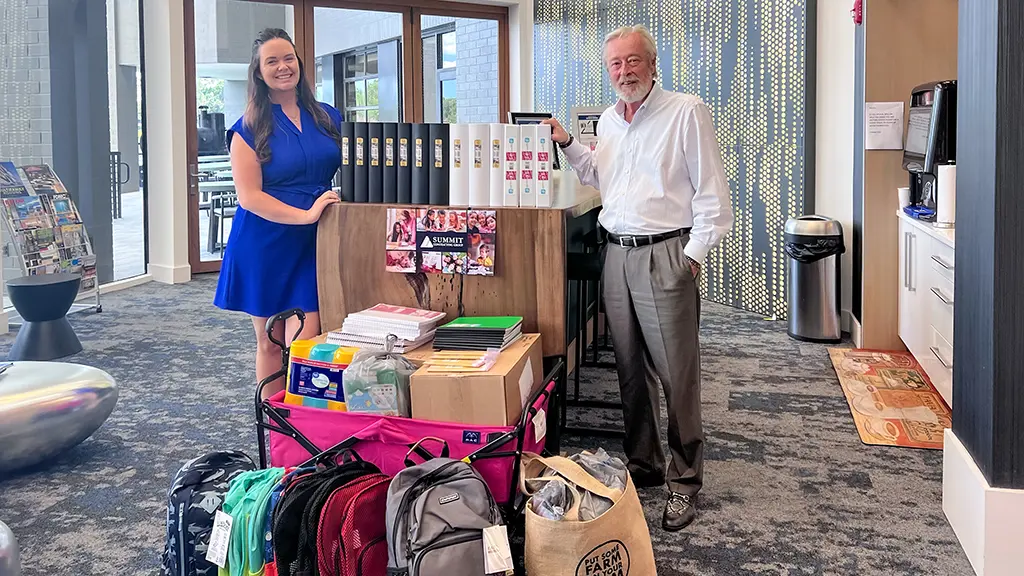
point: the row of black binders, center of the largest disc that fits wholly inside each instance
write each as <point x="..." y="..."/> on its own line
<point x="395" y="162"/>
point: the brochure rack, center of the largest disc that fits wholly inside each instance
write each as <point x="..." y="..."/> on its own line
<point x="44" y="230"/>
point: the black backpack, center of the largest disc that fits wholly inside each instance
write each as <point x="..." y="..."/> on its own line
<point x="297" y="515"/>
<point x="195" y="495"/>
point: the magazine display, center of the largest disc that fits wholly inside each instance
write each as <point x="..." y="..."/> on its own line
<point x="45" y="227"/>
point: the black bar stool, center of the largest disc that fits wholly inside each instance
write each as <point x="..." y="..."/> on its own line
<point x="584" y="268"/>
<point x="591" y="276"/>
<point x="43" y="302"/>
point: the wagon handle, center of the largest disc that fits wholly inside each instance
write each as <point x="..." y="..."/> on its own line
<point x="281" y="317"/>
<point x="445" y="453"/>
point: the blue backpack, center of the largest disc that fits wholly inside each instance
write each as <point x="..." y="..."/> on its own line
<point x="195" y="495"/>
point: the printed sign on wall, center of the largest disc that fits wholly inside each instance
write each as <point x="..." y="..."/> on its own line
<point x="441" y="241"/>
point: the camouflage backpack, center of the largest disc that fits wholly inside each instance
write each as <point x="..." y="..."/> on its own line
<point x="196" y="494"/>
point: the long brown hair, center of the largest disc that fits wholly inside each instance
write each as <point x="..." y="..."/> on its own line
<point x="259" y="116"/>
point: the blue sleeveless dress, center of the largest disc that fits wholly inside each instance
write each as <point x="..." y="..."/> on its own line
<point x="269" y="267"/>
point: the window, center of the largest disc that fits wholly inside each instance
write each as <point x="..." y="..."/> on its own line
<point x="460" y="70"/>
<point x="446" y="50"/>
<point x="362" y="98"/>
<point x="92" y="145"/>
<point x="360" y="53"/>
<point x="320" y="80"/>
<point x="449" y="107"/>
<point x="410" y="60"/>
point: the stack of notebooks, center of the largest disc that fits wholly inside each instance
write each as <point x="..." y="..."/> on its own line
<point x="479" y="333"/>
<point x="370" y="328"/>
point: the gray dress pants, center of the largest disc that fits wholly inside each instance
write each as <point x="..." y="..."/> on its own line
<point x="653" y="308"/>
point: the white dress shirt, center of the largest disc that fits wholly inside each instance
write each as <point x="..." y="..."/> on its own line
<point x="661" y="172"/>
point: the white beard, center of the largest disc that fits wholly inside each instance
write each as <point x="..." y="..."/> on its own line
<point x="634" y="94"/>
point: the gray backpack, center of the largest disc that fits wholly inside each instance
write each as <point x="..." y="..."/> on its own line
<point x="436" y="514"/>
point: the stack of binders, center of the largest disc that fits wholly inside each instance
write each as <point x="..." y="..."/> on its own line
<point x="462" y="165"/>
<point x="395" y="163"/>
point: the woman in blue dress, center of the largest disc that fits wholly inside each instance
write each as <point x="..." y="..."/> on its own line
<point x="285" y="151"/>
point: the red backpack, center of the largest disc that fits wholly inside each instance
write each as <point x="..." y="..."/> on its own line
<point x="352" y="537"/>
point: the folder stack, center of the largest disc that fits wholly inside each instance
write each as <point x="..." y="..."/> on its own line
<point x="479" y="333"/>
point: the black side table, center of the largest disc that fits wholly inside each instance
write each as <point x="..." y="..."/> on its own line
<point x="43" y="302"/>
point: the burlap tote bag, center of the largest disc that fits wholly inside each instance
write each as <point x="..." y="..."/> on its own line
<point x="616" y="543"/>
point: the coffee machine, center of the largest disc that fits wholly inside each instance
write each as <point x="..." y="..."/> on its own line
<point x="930" y="142"/>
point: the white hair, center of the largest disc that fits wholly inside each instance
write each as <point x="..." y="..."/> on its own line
<point x="645" y="35"/>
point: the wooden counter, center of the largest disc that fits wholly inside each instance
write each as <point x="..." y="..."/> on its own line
<point x="530" y="266"/>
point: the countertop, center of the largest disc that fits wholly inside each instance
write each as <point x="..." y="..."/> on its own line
<point x="572" y="196"/>
<point x="945" y="235"/>
<point x="568" y="195"/>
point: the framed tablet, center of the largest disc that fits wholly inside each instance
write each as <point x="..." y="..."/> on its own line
<point x="521" y="118"/>
<point x="584" y="124"/>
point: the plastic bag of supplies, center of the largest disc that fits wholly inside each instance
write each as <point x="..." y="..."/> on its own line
<point x="377" y="382"/>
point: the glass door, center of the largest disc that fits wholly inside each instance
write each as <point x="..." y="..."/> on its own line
<point x="217" y="65"/>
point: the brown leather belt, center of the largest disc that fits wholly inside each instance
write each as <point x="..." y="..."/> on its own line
<point x="637" y="240"/>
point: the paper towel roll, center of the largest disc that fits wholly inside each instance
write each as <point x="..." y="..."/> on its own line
<point x="945" y="204"/>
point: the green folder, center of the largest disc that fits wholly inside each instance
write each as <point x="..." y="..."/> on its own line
<point x="484" y="323"/>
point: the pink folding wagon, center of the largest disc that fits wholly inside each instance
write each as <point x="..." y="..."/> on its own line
<point x="303" y="435"/>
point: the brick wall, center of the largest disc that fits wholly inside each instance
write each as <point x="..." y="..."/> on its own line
<point x="25" y="134"/>
<point x="476" y="70"/>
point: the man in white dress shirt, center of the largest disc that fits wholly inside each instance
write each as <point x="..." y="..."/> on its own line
<point x="665" y="205"/>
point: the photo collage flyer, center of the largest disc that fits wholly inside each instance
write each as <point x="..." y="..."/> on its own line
<point x="45" y="226"/>
<point x="401" y="240"/>
<point x="437" y="240"/>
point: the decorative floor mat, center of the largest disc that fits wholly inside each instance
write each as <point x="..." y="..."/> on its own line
<point x="892" y="401"/>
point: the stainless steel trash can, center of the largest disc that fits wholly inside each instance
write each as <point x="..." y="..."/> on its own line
<point x="814" y="247"/>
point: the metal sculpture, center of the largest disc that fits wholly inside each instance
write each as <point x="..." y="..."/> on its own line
<point x="47" y="408"/>
<point x="10" y="563"/>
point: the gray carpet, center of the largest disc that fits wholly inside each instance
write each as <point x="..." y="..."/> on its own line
<point x="789" y="487"/>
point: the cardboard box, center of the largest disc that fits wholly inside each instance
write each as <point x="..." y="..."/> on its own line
<point x="492" y="398"/>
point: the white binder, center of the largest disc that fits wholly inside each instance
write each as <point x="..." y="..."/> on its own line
<point x="510" y="152"/>
<point x="527" y="165"/>
<point x="497" y="165"/>
<point x="542" y="182"/>
<point x="479" y="150"/>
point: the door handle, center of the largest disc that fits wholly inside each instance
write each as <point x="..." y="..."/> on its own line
<point x="906" y="260"/>
<point x="193" y="180"/>
<point x="940" y="296"/>
<point x="939" y="261"/>
<point x="910" y="263"/>
<point x="935" y="351"/>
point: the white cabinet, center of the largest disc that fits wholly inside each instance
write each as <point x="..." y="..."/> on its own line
<point x="926" y="300"/>
<point x="913" y="326"/>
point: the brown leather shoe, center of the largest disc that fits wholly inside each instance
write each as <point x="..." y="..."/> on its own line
<point x="680" y="511"/>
